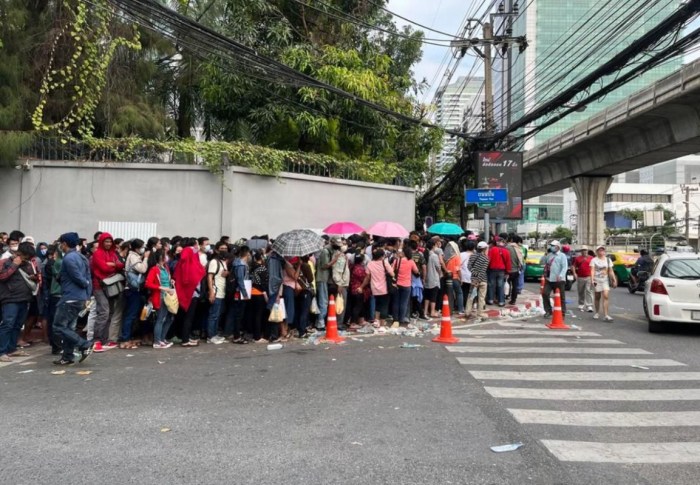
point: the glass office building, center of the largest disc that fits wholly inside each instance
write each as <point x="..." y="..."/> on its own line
<point x="563" y="49"/>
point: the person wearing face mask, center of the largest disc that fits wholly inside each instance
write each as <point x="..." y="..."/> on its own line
<point x="12" y="244"/>
<point x="204" y="250"/>
<point x="105" y="263"/>
<point x="136" y="267"/>
<point x="555" y="268"/>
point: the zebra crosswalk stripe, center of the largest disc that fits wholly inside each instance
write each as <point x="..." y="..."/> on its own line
<point x="607" y="419"/>
<point x="539" y="340"/>
<point x="595" y="394"/>
<point x="584" y="376"/>
<point x="592" y="452"/>
<point x="549" y="333"/>
<point x="544" y="350"/>
<point x="554" y="362"/>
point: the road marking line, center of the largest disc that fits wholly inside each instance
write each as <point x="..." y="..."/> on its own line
<point x="545" y="350"/>
<point x="566" y="361"/>
<point x="539" y="340"/>
<point x="624" y="452"/>
<point x="595" y="394"/>
<point x="551" y="333"/>
<point x="607" y="419"/>
<point x="584" y="376"/>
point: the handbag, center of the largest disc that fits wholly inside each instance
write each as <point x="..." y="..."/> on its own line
<point x="33" y="285"/>
<point x="278" y="313"/>
<point x="315" y="310"/>
<point x="171" y="302"/>
<point x="339" y="304"/>
<point x="113" y="286"/>
<point x="146" y="311"/>
<point x="135" y="280"/>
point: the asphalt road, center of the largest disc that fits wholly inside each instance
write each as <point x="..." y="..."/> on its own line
<point x="367" y="412"/>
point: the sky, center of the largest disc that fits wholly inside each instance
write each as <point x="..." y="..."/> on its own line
<point x="443" y="15"/>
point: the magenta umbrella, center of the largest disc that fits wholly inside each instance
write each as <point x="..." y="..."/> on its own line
<point x="388" y="229"/>
<point x="342" y="228"/>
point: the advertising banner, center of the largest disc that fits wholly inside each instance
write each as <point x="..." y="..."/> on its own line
<point x="502" y="170"/>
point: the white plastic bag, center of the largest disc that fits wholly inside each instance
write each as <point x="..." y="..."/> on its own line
<point x="278" y="313"/>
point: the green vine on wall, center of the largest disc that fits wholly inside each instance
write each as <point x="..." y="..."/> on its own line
<point x="84" y="76"/>
<point x="216" y="155"/>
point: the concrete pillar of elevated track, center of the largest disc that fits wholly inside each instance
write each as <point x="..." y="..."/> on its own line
<point x="590" y="194"/>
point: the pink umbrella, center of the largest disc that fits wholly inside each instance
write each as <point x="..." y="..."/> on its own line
<point x="388" y="229"/>
<point x="342" y="228"/>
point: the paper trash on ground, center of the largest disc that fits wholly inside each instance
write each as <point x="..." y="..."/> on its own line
<point x="504" y="448"/>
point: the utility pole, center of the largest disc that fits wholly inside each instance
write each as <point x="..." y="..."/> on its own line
<point x="488" y="78"/>
<point x="687" y="189"/>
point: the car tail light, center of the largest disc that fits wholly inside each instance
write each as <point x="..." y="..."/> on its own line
<point x="657" y="310"/>
<point x="657" y="286"/>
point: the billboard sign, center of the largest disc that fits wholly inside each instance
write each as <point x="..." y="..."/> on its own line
<point x="502" y="170"/>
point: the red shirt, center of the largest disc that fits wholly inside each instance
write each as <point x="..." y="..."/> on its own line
<point x="499" y="259"/>
<point x="582" y="266"/>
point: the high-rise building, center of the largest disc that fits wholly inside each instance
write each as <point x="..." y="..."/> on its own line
<point x="562" y="48"/>
<point x="457" y="107"/>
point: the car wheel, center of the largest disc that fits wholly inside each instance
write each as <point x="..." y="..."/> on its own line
<point x="655" y="327"/>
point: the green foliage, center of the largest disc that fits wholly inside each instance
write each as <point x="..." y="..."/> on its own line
<point x="11" y="146"/>
<point x="78" y="69"/>
<point x="563" y="233"/>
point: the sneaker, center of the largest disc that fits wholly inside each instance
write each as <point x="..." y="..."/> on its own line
<point x="63" y="362"/>
<point x="580" y="308"/>
<point x="98" y="347"/>
<point x="423" y="318"/>
<point x="110" y="346"/>
<point x="216" y="340"/>
<point x="589" y="309"/>
<point x="596" y="316"/>
<point x="190" y="343"/>
<point x="160" y="346"/>
<point x="85" y="353"/>
<point x="5" y="358"/>
<point x="167" y="344"/>
<point x="608" y="318"/>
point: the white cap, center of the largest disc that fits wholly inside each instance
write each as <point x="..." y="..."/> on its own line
<point x="482" y="245"/>
<point x="555" y="243"/>
<point x="600" y="246"/>
<point x="28" y="239"/>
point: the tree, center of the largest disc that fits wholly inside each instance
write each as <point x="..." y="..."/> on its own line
<point x="563" y="234"/>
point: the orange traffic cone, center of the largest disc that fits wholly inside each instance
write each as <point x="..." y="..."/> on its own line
<point x="446" y="325"/>
<point x="332" y="324"/>
<point x="557" y="315"/>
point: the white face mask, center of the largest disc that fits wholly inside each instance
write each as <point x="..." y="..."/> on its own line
<point x="207" y="248"/>
<point x="142" y="250"/>
<point x="14" y="247"/>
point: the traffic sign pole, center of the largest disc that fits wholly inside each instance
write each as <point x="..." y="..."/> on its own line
<point x="486" y="225"/>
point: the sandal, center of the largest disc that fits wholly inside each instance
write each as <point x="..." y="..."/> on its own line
<point x="190" y="343"/>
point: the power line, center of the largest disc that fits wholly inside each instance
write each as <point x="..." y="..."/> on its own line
<point x="186" y="27"/>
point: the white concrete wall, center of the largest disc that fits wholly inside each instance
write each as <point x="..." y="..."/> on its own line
<point x="55" y="197"/>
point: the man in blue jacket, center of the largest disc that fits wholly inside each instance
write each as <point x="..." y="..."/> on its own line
<point x="76" y="284"/>
<point x="555" y="269"/>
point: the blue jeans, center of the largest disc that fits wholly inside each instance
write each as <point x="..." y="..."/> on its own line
<point x="458" y="296"/>
<point x="13" y="316"/>
<point x="288" y="295"/>
<point x="234" y="319"/>
<point x="163" y="321"/>
<point x="64" y="327"/>
<point x="133" y="304"/>
<point x="372" y="308"/>
<point x="497" y="280"/>
<point x="214" y="315"/>
<point x="322" y="300"/>
<point x="400" y="302"/>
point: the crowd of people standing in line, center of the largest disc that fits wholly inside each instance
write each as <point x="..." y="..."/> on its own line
<point x="109" y="293"/>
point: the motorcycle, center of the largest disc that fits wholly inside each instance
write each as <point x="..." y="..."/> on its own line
<point x="642" y="277"/>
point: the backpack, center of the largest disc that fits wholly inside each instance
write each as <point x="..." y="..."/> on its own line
<point x="231" y="281"/>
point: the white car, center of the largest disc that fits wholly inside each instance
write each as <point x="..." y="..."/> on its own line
<point x="672" y="292"/>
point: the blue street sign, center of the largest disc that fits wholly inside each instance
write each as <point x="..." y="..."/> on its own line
<point x="486" y="196"/>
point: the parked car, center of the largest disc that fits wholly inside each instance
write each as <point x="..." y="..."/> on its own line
<point x="622" y="265"/>
<point x="534" y="270"/>
<point x="672" y="292"/>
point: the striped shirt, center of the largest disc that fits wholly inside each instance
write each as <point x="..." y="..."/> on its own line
<point x="478" y="265"/>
